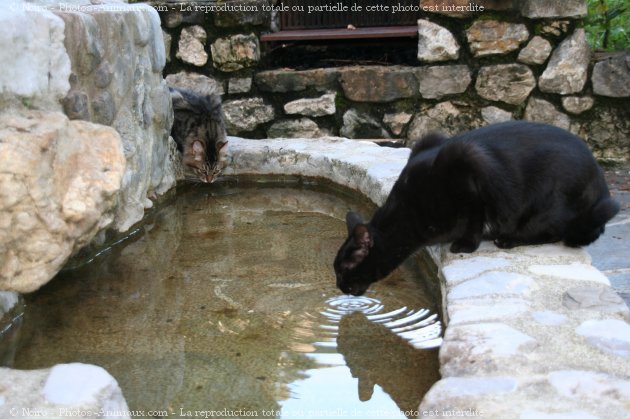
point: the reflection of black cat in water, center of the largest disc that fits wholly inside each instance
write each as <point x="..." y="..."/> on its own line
<point x="516" y="183"/>
<point x="405" y="373"/>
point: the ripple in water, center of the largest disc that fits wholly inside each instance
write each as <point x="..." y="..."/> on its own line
<point x="420" y="328"/>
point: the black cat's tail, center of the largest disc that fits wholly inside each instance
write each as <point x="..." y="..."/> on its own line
<point x="585" y="229"/>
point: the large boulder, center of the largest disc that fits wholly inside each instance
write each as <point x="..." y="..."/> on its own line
<point x="436" y="82"/>
<point x="244" y="115"/>
<point x="358" y="124"/>
<point x="509" y="83"/>
<point x="436" y="43"/>
<point x="567" y="70"/>
<point x="536" y="52"/>
<point x="117" y="56"/>
<point x="319" y="106"/>
<point x="295" y="128"/>
<point x="64" y="390"/>
<point x="488" y="37"/>
<point x="611" y="77"/>
<point x="192" y="46"/>
<point x="33" y="44"/>
<point x="378" y="83"/>
<point x="539" y="110"/>
<point x="534" y="9"/>
<point x="58" y="188"/>
<point x="235" y="52"/>
<point x="287" y="80"/>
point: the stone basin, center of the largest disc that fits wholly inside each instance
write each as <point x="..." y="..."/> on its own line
<point x="530" y="332"/>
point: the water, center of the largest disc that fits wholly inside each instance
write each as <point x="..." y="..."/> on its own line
<point x="225" y="301"/>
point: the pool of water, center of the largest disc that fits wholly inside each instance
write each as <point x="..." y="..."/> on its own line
<point x="224" y="300"/>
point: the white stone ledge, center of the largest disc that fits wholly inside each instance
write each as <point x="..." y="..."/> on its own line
<point x="524" y="322"/>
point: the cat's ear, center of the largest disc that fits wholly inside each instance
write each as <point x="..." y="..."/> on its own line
<point x="177" y="98"/>
<point x="199" y="152"/>
<point x="220" y="145"/>
<point x="427" y="142"/>
<point x="352" y="220"/>
<point x="362" y="236"/>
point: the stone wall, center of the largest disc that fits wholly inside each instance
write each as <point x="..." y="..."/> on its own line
<point x="67" y="178"/>
<point x="523" y="59"/>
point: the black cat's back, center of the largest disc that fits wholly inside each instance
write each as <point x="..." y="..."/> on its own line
<point x="539" y="183"/>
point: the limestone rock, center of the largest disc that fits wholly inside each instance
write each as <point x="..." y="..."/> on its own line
<point x="509" y="83"/>
<point x="549" y="318"/>
<point x="494" y="115"/>
<point x="466" y="345"/>
<point x="591" y="386"/>
<point x="361" y="125"/>
<point x="39" y="70"/>
<point x="435" y="119"/>
<point x="460" y="270"/>
<point x="397" y="121"/>
<point x="58" y="188"/>
<point x="243" y="115"/>
<point x="610" y="335"/>
<point x="567" y="70"/>
<point x="295" y="128"/>
<point x="240" y="85"/>
<point x="536" y="52"/>
<point x="443" y="117"/>
<point x="435" y="43"/>
<point x="493" y="284"/>
<point x="535" y="9"/>
<point x="126" y="41"/>
<point x="438" y="81"/>
<point x="540" y="110"/>
<point x="611" y="77"/>
<point x="191" y="48"/>
<point x="452" y="389"/>
<point x="321" y="106"/>
<point x="608" y="132"/>
<point x="235" y="52"/>
<point x="488" y="37"/>
<point x="463" y="311"/>
<point x="597" y="298"/>
<point x="87" y="389"/>
<point x="378" y="83"/>
<point x="555" y="28"/>
<point x="282" y="81"/>
<point x="195" y="82"/>
<point x="576" y="104"/>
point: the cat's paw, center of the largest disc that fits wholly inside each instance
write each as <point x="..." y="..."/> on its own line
<point x="464" y="246"/>
<point x="505" y="243"/>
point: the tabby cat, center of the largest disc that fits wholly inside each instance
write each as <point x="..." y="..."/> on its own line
<point x="199" y="132"/>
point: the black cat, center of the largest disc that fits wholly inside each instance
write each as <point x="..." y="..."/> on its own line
<point x="516" y="183"/>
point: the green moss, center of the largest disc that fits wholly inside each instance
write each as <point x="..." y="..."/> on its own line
<point x="341" y="103"/>
<point x="27" y="102"/>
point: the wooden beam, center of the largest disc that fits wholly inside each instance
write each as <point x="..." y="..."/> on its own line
<point x="376" y="32"/>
